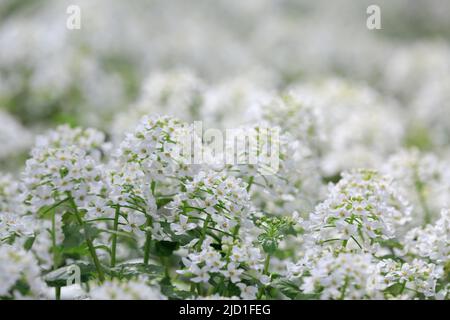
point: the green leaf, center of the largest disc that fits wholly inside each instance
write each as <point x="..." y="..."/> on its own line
<point x="90" y="231"/>
<point x="164" y="248"/>
<point x="153" y="186"/>
<point x="334" y="179"/>
<point x="391" y="244"/>
<point x="131" y="270"/>
<point x="289" y="230"/>
<point x="73" y="236"/>
<point x="29" y="243"/>
<point x="76" y="252"/>
<point x="233" y="290"/>
<point x="170" y="291"/>
<point x="269" y="245"/>
<point x="44" y="213"/>
<point x="395" y="289"/>
<point x="288" y="288"/>
<point x="161" y="202"/>
<point x="22" y="286"/>
<point x="69" y="218"/>
<point x="307" y="296"/>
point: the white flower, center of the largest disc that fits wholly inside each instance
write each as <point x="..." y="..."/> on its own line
<point x="134" y="289"/>
<point x="247" y="292"/>
<point x="342" y="276"/>
<point x="183" y="226"/>
<point x="265" y="280"/>
<point x="134" y="222"/>
<point x="15" y="224"/>
<point x="344" y="126"/>
<point x="432" y="241"/>
<point x="418" y="275"/>
<point x="363" y="205"/>
<point x="90" y="140"/>
<point x="425" y="179"/>
<point x="201" y="274"/>
<point x="14" y="138"/>
<point x="51" y="173"/>
<point x="224" y="224"/>
<point x="232" y="272"/>
<point x="174" y="93"/>
<point x="17" y="264"/>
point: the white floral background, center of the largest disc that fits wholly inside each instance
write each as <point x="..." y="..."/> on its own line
<point x="364" y="116"/>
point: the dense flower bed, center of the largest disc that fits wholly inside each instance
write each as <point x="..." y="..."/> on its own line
<point x="98" y="199"/>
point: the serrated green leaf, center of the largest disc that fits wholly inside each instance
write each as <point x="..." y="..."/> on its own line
<point x="269" y="245"/>
<point x="131" y="270"/>
<point x="288" y="288"/>
<point x="72" y="236"/>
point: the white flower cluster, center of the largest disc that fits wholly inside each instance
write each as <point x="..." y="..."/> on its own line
<point x="13" y="218"/>
<point x="243" y="263"/>
<point x="342" y="276"/>
<point x="14" y="138"/>
<point x="90" y="140"/>
<point x="361" y="209"/>
<point x="125" y="290"/>
<point x="126" y="188"/>
<point x="417" y="276"/>
<point x="157" y="147"/>
<point x="56" y="174"/>
<point x="432" y="241"/>
<point x="220" y="199"/>
<point x="424" y="178"/>
<point x="212" y="226"/>
<point x="283" y="175"/>
<point x="177" y="93"/>
<point x="65" y="164"/>
<point x="347" y="132"/>
<point x="19" y="270"/>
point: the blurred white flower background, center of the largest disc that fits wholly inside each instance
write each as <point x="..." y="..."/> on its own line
<point x="90" y="174"/>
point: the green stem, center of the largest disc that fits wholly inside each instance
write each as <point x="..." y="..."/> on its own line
<point x="166" y="263"/>
<point x="193" y="287"/>
<point x="403" y="287"/>
<point x="227" y="256"/>
<point x="266" y="265"/>
<point x="148" y="240"/>
<point x="203" y="233"/>
<point x="344" y="243"/>
<point x="198" y="246"/>
<point x="114" y="237"/>
<point x="54" y="206"/>
<point x="344" y="288"/>
<point x="250" y="183"/>
<point x="210" y="291"/>
<point x="58" y="293"/>
<point x="55" y="253"/>
<point x="89" y="243"/>
<point x="265" y="272"/>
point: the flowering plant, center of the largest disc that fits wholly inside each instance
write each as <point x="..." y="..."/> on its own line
<point x="278" y="161"/>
